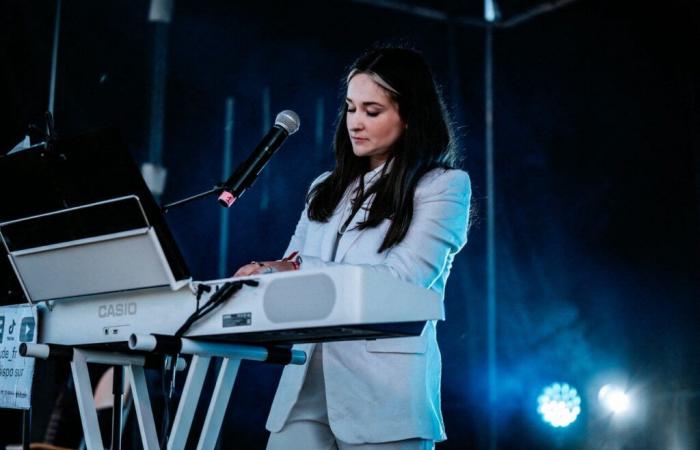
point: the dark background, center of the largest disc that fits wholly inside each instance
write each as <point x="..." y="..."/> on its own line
<point x="597" y="188"/>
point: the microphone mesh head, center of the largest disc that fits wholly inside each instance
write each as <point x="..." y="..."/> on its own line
<point x="289" y="120"/>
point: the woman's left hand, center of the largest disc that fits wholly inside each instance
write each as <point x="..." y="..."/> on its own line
<point x="257" y="268"/>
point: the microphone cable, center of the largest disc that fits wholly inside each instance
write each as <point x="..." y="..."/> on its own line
<point x="217" y="298"/>
<point x="222" y="294"/>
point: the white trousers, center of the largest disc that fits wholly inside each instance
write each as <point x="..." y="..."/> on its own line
<point x="307" y="425"/>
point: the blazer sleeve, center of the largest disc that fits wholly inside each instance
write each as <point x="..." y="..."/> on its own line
<point x="438" y="230"/>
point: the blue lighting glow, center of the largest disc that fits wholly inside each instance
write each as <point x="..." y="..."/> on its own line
<point x="559" y="405"/>
<point x="614" y="398"/>
<point x="490" y="10"/>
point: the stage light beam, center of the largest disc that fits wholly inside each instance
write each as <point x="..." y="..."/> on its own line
<point x="559" y="405"/>
<point x="614" y="399"/>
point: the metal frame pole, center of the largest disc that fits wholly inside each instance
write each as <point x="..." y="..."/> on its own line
<point x="266" y="124"/>
<point x="142" y="404"/>
<point x="318" y="132"/>
<point x="491" y="311"/>
<point x="225" y="173"/>
<point x="188" y="402"/>
<point x="54" y="57"/>
<point x="117" y="392"/>
<point x="26" y="428"/>
<point x="86" y="401"/>
<point x="219" y="401"/>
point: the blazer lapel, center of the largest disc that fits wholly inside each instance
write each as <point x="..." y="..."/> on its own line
<point x="329" y="235"/>
<point x="352" y="232"/>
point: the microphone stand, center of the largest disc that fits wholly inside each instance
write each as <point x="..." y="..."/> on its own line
<point x="215" y="190"/>
<point x="246" y="174"/>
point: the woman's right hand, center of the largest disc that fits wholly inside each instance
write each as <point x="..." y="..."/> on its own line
<point x="260" y="268"/>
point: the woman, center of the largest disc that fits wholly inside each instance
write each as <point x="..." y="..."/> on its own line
<point x="394" y="203"/>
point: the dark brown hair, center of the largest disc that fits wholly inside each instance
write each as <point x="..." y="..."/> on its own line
<point x="426" y="143"/>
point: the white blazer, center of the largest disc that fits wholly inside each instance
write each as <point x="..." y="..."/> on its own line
<point x="386" y="389"/>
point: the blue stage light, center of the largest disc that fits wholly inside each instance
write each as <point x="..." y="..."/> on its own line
<point x="559" y="404"/>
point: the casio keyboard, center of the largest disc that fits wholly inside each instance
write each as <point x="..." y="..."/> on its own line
<point x="336" y="303"/>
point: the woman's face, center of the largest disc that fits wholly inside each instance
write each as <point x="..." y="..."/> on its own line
<point x="373" y="119"/>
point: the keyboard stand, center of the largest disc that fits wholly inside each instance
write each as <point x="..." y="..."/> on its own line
<point x="202" y="354"/>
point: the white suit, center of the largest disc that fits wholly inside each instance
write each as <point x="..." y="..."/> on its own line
<point x="385" y="389"/>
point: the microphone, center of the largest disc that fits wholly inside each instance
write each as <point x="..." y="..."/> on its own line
<point x="286" y="124"/>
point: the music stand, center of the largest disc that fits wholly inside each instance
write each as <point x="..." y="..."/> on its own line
<point x="78" y="213"/>
<point x="114" y="260"/>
